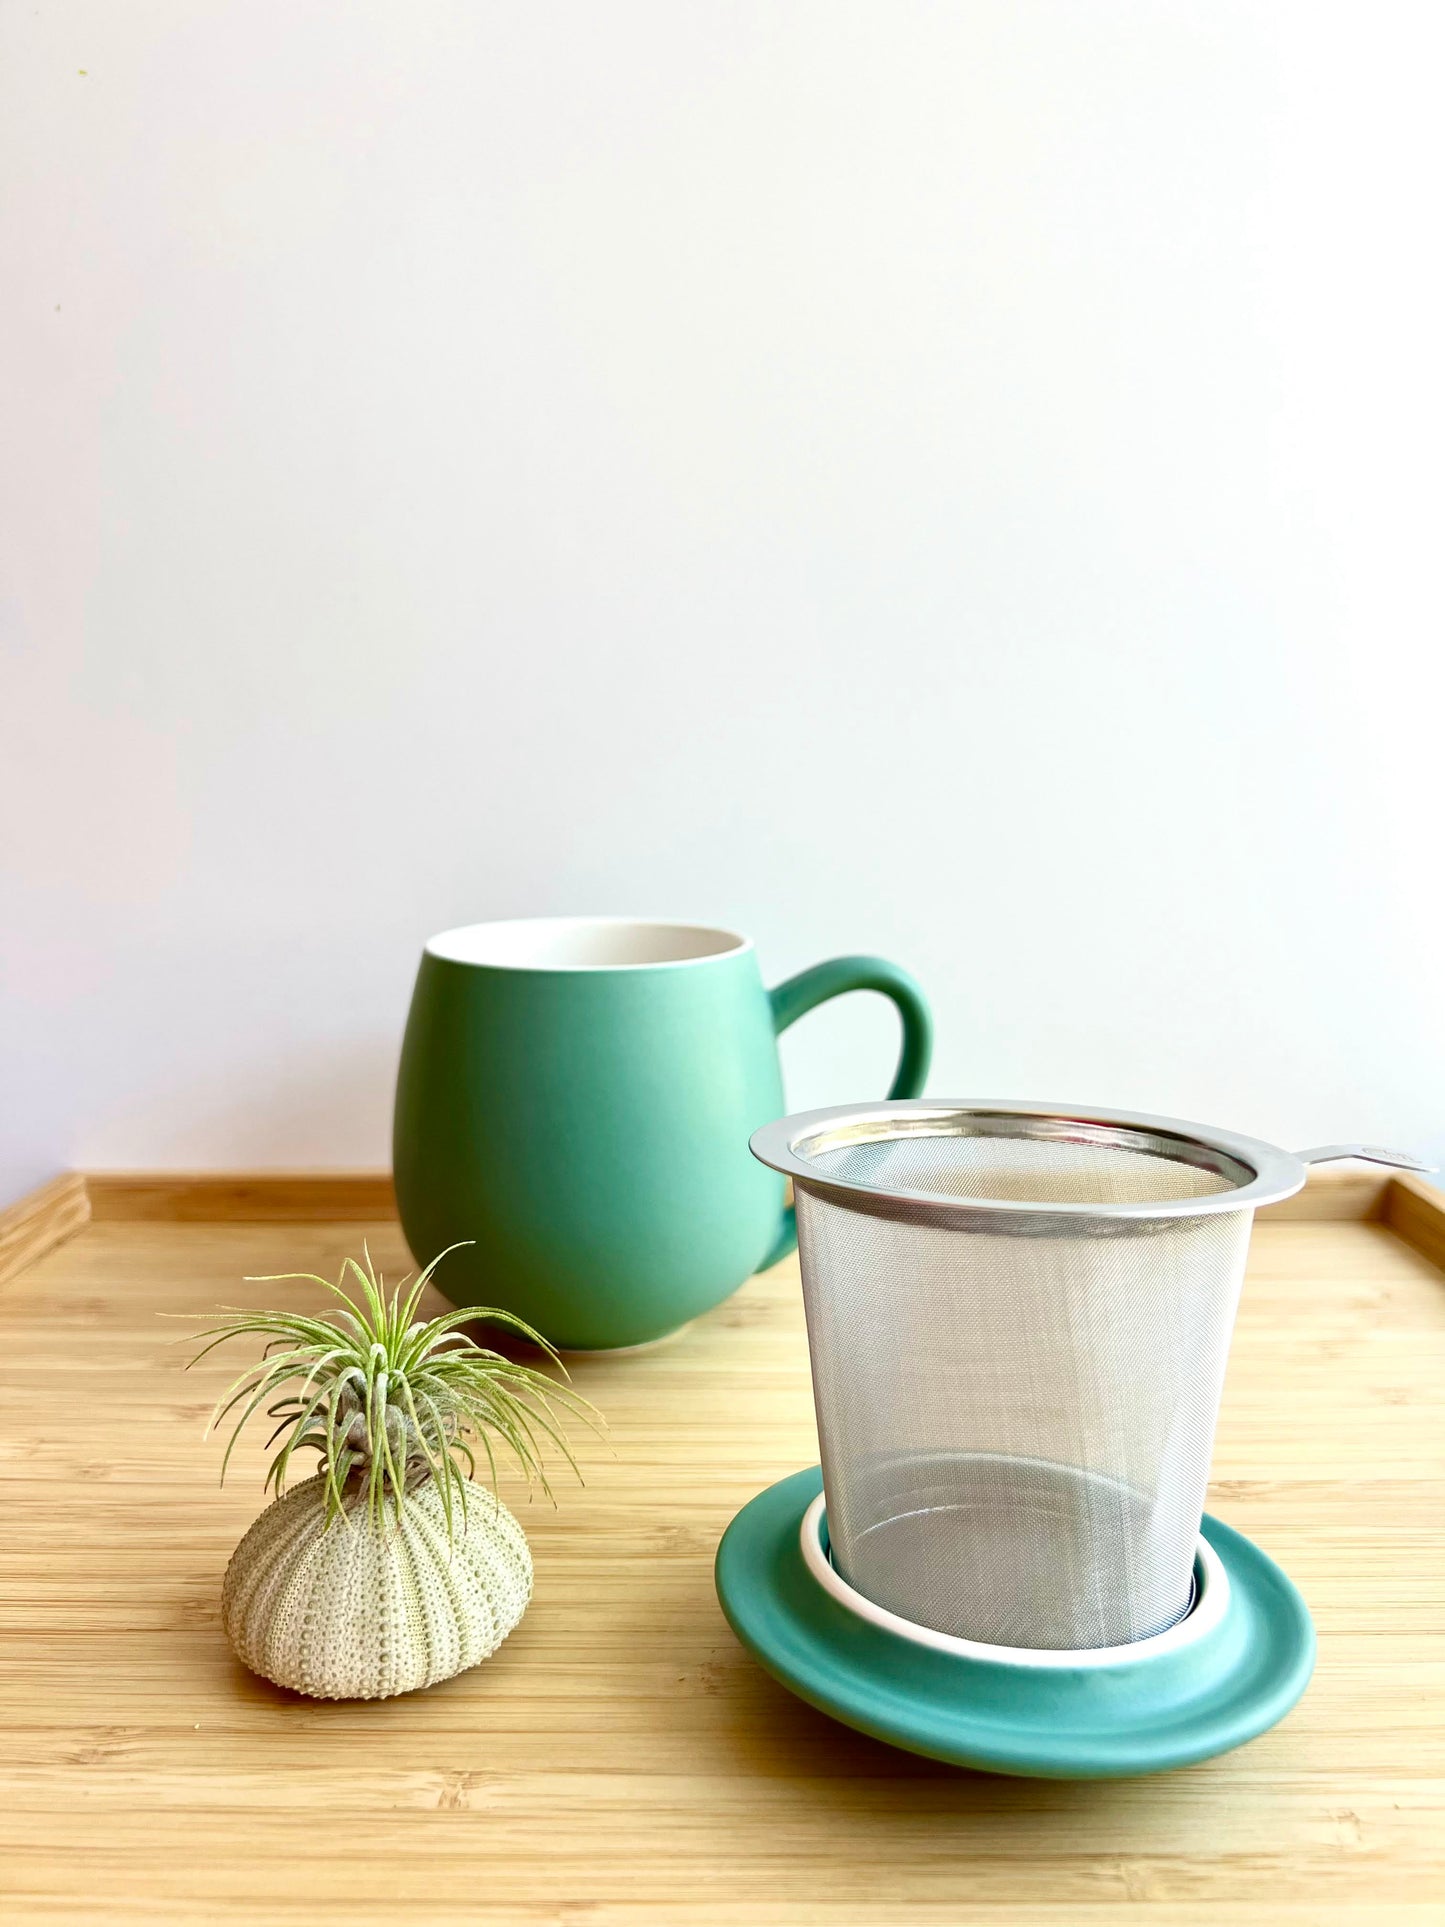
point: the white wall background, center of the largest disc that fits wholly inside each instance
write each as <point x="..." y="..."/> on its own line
<point x="958" y="481"/>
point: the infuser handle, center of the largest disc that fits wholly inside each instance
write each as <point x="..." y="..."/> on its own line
<point x="1371" y="1153"/>
<point x="798" y="995"/>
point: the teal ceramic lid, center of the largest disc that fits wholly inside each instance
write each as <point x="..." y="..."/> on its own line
<point x="1182" y="1702"/>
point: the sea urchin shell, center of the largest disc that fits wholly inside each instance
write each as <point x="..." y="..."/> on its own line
<point x="364" y="1608"/>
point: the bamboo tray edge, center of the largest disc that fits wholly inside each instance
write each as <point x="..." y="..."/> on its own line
<point x="47" y="1216"/>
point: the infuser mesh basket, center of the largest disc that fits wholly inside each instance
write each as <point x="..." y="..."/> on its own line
<point x="1017" y="1364"/>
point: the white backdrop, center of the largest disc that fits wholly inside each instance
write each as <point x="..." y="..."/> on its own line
<point x="956" y="481"/>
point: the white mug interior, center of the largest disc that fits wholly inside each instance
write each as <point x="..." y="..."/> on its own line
<point x="583" y="943"/>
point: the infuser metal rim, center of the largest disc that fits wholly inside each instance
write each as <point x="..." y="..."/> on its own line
<point x="1211" y="1603"/>
<point x="1273" y="1173"/>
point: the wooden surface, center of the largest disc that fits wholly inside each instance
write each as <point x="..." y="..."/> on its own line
<point x="621" y="1760"/>
<point x="1413" y="1208"/>
<point x="32" y="1225"/>
<point x="241" y="1197"/>
<point x="39" y="1222"/>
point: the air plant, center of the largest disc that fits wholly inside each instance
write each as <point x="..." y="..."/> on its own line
<point x="388" y="1569"/>
<point x="388" y="1402"/>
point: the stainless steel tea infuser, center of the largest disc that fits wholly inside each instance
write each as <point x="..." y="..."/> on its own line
<point x="1018" y="1322"/>
<point x="1018" y="1318"/>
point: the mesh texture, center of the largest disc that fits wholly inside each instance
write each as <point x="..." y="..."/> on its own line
<point x="1016" y="1429"/>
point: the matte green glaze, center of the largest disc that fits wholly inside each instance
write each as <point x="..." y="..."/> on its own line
<point x="1091" y="1723"/>
<point x="588" y="1130"/>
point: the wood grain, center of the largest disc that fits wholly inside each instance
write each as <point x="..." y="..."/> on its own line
<point x="1335" y="1194"/>
<point x="1415" y="1209"/>
<point x="621" y="1762"/>
<point x="1352" y="1193"/>
<point x="240" y="1197"/>
<point x="41" y="1220"/>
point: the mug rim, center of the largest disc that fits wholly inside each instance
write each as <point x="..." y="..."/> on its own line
<point x="453" y="945"/>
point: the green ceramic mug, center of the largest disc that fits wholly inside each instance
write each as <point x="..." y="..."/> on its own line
<point x="576" y="1096"/>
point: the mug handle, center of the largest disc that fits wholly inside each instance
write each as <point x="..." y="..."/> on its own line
<point x="800" y="994"/>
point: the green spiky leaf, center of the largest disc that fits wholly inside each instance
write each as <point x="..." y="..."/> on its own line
<point x="389" y="1403"/>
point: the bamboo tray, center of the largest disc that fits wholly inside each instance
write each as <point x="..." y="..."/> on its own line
<point x="622" y="1762"/>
